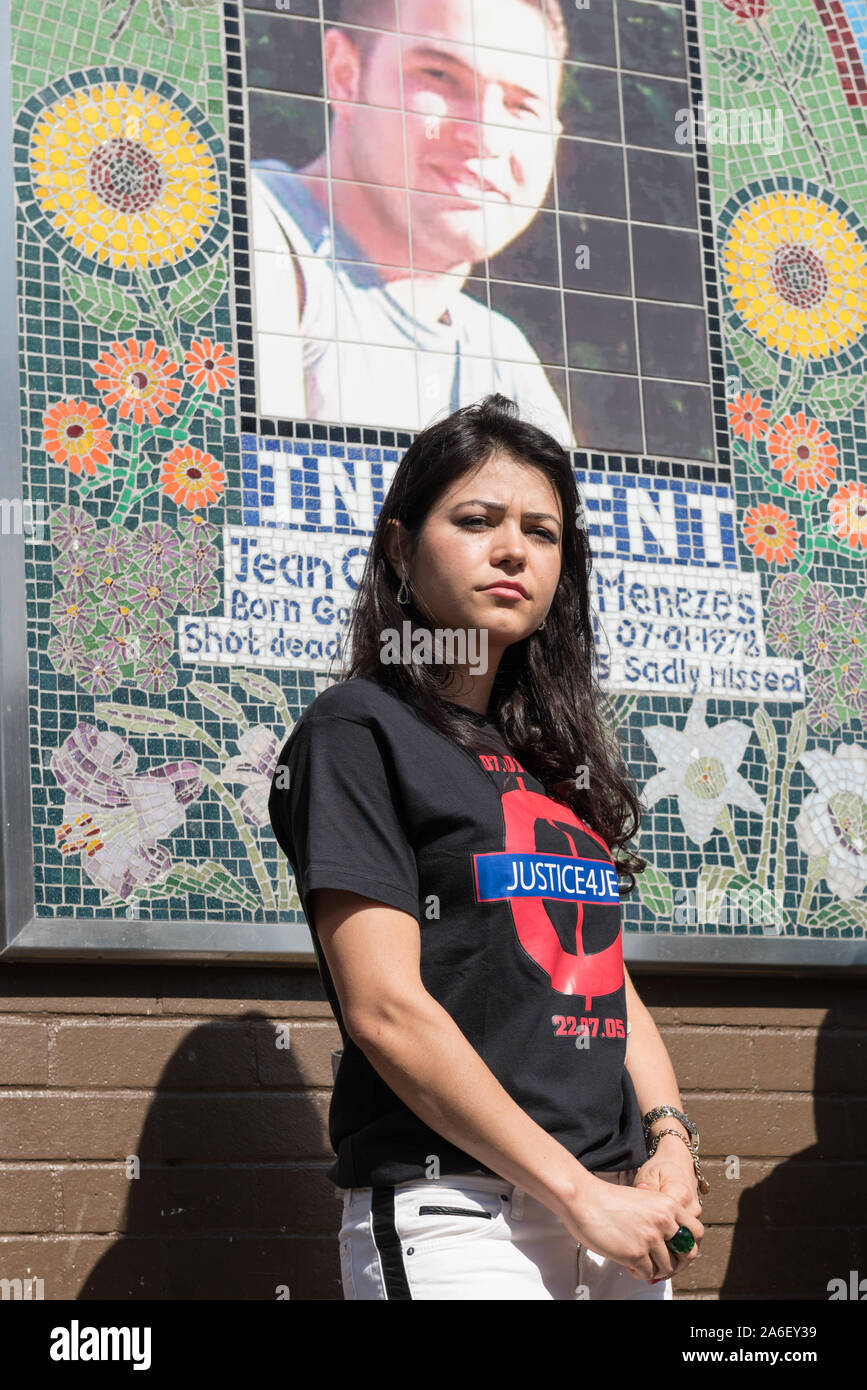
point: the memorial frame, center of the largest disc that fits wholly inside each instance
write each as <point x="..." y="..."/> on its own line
<point x="26" y="936"/>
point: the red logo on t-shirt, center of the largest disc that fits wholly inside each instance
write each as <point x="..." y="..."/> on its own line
<point x="570" y="972"/>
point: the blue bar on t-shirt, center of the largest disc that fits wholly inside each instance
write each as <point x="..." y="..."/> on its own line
<point x="505" y="875"/>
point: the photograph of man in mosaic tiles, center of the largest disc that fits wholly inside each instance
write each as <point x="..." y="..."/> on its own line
<point x="421" y="176"/>
<point x="441" y="150"/>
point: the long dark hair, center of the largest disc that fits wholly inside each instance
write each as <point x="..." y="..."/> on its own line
<point x="546" y="699"/>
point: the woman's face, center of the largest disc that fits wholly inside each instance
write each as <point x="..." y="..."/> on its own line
<point x="501" y="522"/>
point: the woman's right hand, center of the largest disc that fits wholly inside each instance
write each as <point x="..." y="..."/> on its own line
<point x="630" y="1225"/>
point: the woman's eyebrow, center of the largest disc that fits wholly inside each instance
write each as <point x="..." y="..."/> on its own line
<point x="501" y="507"/>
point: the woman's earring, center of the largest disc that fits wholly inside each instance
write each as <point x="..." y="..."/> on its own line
<point x="541" y="625"/>
<point x="403" y="592"/>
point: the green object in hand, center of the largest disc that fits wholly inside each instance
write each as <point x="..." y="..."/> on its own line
<point x="682" y="1241"/>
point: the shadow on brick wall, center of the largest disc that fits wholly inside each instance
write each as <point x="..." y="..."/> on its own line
<point x="231" y="1200"/>
<point x="804" y="1225"/>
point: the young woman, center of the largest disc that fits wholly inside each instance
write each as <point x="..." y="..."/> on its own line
<point x="450" y="814"/>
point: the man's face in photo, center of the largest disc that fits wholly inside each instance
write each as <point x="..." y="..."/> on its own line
<point x="468" y="127"/>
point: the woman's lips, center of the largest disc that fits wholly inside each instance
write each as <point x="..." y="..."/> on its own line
<point x="507" y="590"/>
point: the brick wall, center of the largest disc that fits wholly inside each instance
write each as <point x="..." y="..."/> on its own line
<point x="170" y="1065"/>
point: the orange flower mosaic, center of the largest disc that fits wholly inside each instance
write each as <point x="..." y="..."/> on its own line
<point x="803" y="452"/>
<point x="192" y="478"/>
<point x="207" y="361"/>
<point x="848" y="508"/>
<point x="770" y="533"/>
<point x="139" y="380"/>
<point x="76" y="434"/>
<point x="748" y="417"/>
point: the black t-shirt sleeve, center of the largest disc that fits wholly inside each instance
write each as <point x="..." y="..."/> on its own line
<point x="337" y="821"/>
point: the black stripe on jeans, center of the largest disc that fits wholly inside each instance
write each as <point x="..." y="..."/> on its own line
<point x="388" y="1243"/>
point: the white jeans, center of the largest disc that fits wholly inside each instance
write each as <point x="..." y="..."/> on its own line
<point x="472" y="1237"/>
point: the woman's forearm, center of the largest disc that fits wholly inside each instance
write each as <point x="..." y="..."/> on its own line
<point x="419" y="1051"/>
<point x="652" y="1074"/>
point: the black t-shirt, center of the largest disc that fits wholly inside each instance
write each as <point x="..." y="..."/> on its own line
<point x="519" y="920"/>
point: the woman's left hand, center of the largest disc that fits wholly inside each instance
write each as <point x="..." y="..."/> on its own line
<point x="676" y="1178"/>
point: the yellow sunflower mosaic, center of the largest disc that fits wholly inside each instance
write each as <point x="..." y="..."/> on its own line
<point x="796" y="271"/>
<point x="122" y="172"/>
